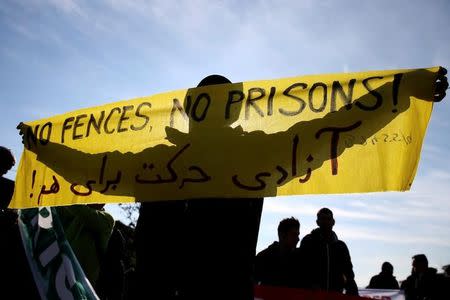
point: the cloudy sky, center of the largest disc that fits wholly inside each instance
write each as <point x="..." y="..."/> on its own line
<point x="60" y="55"/>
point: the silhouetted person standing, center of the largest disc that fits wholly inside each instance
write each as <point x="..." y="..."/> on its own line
<point x="445" y="282"/>
<point x="198" y="248"/>
<point x="422" y="284"/>
<point x="87" y="229"/>
<point x="110" y="282"/>
<point x="16" y="280"/>
<point x="326" y="259"/>
<point x="7" y="161"/>
<point x="384" y="280"/>
<point x="278" y="265"/>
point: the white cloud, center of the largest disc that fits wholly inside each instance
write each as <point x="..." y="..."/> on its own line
<point x="438" y="174"/>
<point x="395" y="236"/>
<point x="432" y="150"/>
<point x="68" y="6"/>
<point x="294" y="207"/>
<point x="23" y="30"/>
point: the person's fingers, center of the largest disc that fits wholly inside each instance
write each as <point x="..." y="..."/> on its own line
<point x="441" y="87"/>
<point x="439" y="97"/>
<point x="442" y="77"/>
<point x="21" y="127"/>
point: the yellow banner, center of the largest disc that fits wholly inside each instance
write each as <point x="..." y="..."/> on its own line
<point x="338" y="133"/>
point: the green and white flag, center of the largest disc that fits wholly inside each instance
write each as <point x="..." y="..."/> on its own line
<point x="56" y="270"/>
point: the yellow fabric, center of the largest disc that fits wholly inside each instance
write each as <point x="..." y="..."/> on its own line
<point x="250" y="139"/>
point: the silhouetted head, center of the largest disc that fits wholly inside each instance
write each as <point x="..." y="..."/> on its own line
<point x="419" y="263"/>
<point x="209" y="108"/>
<point x="387" y="268"/>
<point x="7" y="160"/>
<point x="288" y="232"/>
<point x="325" y="219"/>
<point x="213" y="79"/>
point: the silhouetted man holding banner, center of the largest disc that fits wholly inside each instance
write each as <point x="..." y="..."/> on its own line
<point x="198" y="248"/>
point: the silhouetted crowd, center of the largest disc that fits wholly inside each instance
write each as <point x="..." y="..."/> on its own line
<point x="323" y="262"/>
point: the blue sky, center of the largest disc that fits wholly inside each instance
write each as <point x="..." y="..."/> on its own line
<point x="60" y="55"/>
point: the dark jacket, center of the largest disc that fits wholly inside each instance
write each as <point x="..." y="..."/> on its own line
<point x="383" y="281"/>
<point x="16" y="279"/>
<point x="327" y="264"/>
<point x="6" y="191"/>
<point x="274" y="268"/>
<point x="197" y="248"/>
<point x="422" y="286"/>
<point x="110" y="282"/>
